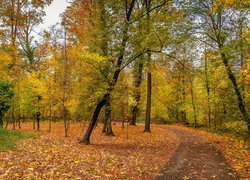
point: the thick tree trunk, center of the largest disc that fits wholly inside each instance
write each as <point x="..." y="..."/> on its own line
<point x="148" y="110"/>
<point x="101" y="103"/>
<point x="108" y="125"/>
<point x="134" y="111"/>
<point x="241" y="104"/>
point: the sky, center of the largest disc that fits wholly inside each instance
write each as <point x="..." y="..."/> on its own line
<point x="53" y="13"/>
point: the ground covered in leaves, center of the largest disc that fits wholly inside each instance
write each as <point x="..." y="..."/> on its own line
<point x="131" y="154"/>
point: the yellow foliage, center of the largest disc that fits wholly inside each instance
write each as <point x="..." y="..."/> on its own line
<point x="5" y="61"/>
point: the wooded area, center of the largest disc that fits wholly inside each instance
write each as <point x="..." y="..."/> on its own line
<point x="183" y="61"/>
<point x="125" y="62"/>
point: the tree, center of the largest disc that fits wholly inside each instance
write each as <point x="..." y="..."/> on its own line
<point x="119" y="61"/>
<point x="216" y="25"/>
<point x="6" y="93"/>
<point x="149" y="75"/>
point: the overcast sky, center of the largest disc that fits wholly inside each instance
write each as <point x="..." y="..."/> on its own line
<point x="53" y="13"/>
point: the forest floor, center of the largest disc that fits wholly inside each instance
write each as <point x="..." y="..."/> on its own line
<point x="169" y="152"/>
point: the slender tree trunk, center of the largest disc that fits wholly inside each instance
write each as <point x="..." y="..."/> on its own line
<point x="242" y="57"/>
<point x="105" y="122"/>
<point x="149" y="84"/>
<point x="38" y="118"/>
<point x="208" y="92"/>
<point x="148" y="109"/>
<point x="19" y="121"/>
<point x="23" y="117"/>
<point x="183" y="92"/>
<point x="193" y="103"/>
<point x="13" y="119"/>
<point x="65" y="120"/>
<point x="50" y="117"/>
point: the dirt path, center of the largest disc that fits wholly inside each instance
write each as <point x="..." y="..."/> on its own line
<point x="196" y="159"/>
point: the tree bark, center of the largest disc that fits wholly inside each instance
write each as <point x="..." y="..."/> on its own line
<point x="148" y="110"/>
<point x="101" y="103"/>
<point x="208" y="92"/>
<point x="241" y="104"/>
<point x="149" y="84"/>
<point x="108" y="125"/>
<point x="193" y="103"/>
<point x="38" y="117"/>
<point x="137" y="83"/>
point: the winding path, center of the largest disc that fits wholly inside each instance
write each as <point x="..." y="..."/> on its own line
<point x="196" y="159"/>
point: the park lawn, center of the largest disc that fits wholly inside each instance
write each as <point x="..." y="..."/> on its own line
<point x="8" y="139"/>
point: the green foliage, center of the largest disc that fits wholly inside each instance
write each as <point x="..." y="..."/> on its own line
<point x="5" y="96"/>
<point x="237" y="129"/>
<point x="235" y="126"/>
<point x="8" y="139"/>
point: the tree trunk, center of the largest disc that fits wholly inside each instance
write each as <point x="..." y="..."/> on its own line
<point x="13" y="119"/>
<point x="34" y="122"/>
<point x="66" y="121"/>
<point x="1" y="121"/>
<point x="149" y="85"/>
<point x="101" y="103"/>
<point x="208" y="92"/>
<point x="135" y="110"/>
<point x="50" y="118"/>
<point x="137" y="83"/>
<point x="241" y="104"/>
<point x="107" y="123"/>
<point x="19" y="121"/>
<point x="193" y="103"/>
<point x="109" y="131"/>
<point x="38" y="118"/>
<point x="148" y="110"/>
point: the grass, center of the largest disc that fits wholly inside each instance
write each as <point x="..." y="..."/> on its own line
<point x="8" y="139"/>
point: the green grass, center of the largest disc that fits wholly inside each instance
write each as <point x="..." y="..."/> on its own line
<point x="8" y="139"/>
